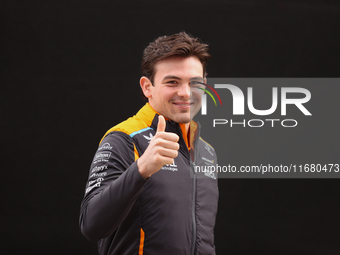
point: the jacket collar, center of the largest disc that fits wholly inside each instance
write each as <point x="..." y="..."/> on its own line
<point x="147" y="115"/>
<point x="150" y="117"/>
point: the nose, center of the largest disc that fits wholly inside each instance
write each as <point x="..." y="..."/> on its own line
<point x="184" y="91"/>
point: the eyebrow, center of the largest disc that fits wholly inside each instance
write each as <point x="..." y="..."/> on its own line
<point x="178" y="78"/>
<point x="196" y="78"/>
<point x="171" y="77"/>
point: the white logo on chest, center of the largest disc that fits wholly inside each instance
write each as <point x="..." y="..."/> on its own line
<point x="171" y="167"/>
<point x="148" y="137"/>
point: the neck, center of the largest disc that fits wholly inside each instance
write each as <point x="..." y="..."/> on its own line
<point x="187" y="126"/>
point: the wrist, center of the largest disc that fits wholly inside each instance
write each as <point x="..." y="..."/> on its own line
<point x="142" y="169"/>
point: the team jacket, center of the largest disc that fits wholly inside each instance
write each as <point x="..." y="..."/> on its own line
<point x="173" y="212"/>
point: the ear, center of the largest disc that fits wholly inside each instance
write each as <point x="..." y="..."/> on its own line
<point x="146" y="86"/>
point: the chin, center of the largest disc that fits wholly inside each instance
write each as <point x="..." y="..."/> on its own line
<point x="182" y="120"/>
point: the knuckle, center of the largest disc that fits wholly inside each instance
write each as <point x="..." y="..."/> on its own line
<point x="158" y="158"/>
<point x="157" y="135"/>
<point x="158" y="142"/>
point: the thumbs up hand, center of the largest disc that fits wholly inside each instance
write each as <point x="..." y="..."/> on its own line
<point x="161" y="124"/>
<point x="163" y="148"/>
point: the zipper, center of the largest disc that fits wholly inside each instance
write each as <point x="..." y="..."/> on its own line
<point x="192" y="164"/>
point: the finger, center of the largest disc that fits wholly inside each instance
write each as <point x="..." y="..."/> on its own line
<point x="168" y="144"/>
<point x="167" y="153"/>
<point x="166" y="160"/>
<point x="168" y="136"/>
<point x="161" y="124"/>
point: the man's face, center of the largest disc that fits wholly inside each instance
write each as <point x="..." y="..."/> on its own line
<point x="170" y="94"/>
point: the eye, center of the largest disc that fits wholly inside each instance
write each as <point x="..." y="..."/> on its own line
<point x="172" y="82"/>
<point x="196" y="84"/>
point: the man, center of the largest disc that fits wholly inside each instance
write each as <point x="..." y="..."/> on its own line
<point x="143" y="195"/>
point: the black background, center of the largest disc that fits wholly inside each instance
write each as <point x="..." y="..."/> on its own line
<point x="70" y="71"/>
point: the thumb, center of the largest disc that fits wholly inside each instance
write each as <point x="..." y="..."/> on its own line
<point x="161" y="124"/>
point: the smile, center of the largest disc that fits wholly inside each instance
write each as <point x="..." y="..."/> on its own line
<point x="182" y="104"/>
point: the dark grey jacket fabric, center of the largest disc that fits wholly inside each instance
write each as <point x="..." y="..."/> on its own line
<point x="173" y="212"/>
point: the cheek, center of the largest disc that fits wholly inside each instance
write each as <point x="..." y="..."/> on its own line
<point x="167" y="94"/>
<point x="197" y="95"/>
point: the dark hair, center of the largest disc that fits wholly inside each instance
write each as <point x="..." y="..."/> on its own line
<point x="180" y="44"/>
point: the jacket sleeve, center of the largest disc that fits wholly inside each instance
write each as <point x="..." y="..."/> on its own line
<point x="113" y="186"/>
